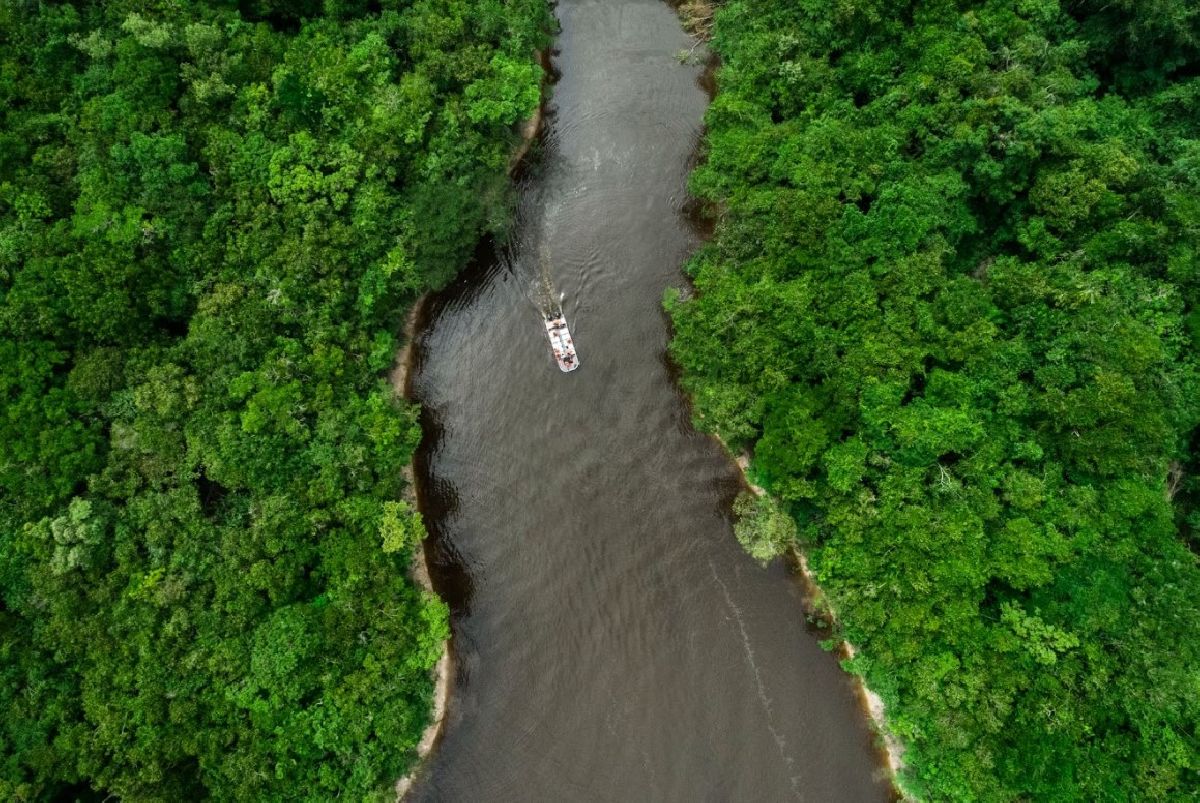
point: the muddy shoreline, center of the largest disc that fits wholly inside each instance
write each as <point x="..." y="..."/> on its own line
<point x="419" y="569"/>
<point x="401" y="382"/>
<point x="817" y="606"/>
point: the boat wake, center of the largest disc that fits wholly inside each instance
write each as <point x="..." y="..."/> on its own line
<point x="537" y="285"/>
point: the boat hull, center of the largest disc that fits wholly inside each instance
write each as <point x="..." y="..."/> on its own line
<point x="561" y="344"/>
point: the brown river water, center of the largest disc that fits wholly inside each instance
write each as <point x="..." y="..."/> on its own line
<point x="611" y="640"/>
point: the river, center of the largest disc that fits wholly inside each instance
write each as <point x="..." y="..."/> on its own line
<point x="612" y="642"/>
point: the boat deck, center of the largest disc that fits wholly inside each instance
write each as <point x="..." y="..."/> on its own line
<point x="561" y="343"/>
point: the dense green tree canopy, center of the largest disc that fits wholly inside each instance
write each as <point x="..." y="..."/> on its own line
<point x="211" y="217"/>
<point x="951" y="305"/>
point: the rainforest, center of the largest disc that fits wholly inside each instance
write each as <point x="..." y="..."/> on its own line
<point x="951" y="308"/>
<point x="212" y="217"/>
<point x="948" y="313"/>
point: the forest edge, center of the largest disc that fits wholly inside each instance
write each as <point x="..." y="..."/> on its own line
<point x="697" y="18"/>
<point x="817" y="605"/>
<point x="401" y="382"/>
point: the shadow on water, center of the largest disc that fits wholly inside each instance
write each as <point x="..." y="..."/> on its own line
<point x="436" y="499"/>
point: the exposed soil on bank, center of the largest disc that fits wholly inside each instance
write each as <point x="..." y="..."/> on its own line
<point x="697" y="16"/>
<point x="400" y="380"/>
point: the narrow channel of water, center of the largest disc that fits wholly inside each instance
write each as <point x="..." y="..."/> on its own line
<point x="611" y="639"/>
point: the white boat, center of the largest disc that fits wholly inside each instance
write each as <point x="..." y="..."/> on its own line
<point x="560" y="341"/>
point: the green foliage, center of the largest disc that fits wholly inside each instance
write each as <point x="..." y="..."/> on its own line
<point x="212" y="217"/>
<point x="400" y="527"/>
<point x="952" y="306"/>
<point x="762" y="527"/>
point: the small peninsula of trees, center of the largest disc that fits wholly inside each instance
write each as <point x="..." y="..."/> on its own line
<point x="212" y="216"/>
<point x="952" y="307"/>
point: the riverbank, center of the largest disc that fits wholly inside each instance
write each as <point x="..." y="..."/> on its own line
<point x="400" y="380"/>
<point x="697" y="17"/>
<point x="532" y="127"/>
<point x="817" y="604"/>
<point x="441" y="687"/>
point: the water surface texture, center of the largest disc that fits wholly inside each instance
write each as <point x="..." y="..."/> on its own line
<point x="611" y="639"/>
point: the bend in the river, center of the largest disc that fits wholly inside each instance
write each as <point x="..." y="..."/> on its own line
<point x="611" y="639"/>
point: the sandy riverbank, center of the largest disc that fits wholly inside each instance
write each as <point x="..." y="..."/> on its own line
<point x="874" y="704"/>
<point x="399" y="379"/>
<point x="441" y="688"/>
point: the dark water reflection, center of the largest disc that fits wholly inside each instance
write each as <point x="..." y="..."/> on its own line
<point x="612" y="641"/>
